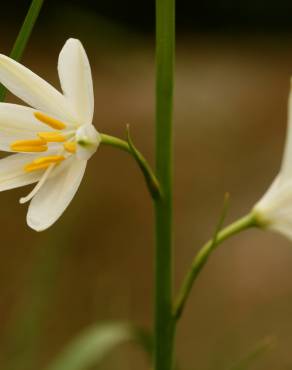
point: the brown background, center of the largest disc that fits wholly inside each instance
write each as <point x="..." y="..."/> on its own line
<point x="96" y="263"/>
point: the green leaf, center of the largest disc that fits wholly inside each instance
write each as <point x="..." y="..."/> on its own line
<point x="91" y="346"/>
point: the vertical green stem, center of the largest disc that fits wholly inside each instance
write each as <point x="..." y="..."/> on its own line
<point x="165" y="47"/>
<point x="23" y="36"/>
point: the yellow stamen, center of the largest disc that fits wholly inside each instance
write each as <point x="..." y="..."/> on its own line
<point x="34" y="145"/>
<point x="49" y="159"/>
<point x="29" y="148"/>
<point x="43" y="162"/>
<point x="34" y="167"/>
<point x="52" y="122"/>
<point x="70" y="147"/>
<point x="53" y="137"/>
<point x="33" y="142"/>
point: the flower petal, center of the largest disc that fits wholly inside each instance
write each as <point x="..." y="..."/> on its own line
<point x="12" y="174"/>
<point x="33" y="90"/>
<point x="76" y="81"/>
<point x="286" y="167"/>
<point x="274" y="210"/>
<point x="56" y="194"/>
<point x="284" y="228"/>
<point x="17" y="122"/>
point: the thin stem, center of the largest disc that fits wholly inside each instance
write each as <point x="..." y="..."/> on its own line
<point x="115" y="142"/>
<point x="23" y="36"/>
<point x="165" y="47"/>
<point x="203" y="255"/>
<point x="150" y="178"/>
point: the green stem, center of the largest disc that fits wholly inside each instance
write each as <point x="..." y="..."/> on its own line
<point x="203" y="255"/>
<point x="23" y="36"/>
<point x="165" y="48"/>
<point x="115" y="142"/>
<point x="128" y="146"/>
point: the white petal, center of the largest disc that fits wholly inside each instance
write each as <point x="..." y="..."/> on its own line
<point x="17" y="122"/>
<point x="33" y="90"/>
<point x="76" y="81"/>
<point x="286" y="168"/>
<point x="12" y="174"/>
<point x="38" y="186"/>
<point x="56" y="194"/>
<point x="283" y="221"/>
<point x="270" y="195"/>
<point x="284" y="228"/>
<point x="274" y="210"/>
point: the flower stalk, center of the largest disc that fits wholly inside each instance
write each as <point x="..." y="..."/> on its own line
<point x="129" y="147"/>
<point x="203" y="255"/>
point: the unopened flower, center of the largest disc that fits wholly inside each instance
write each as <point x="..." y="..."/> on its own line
<point x="53" y="139"/>
<point x="274" y="210"/>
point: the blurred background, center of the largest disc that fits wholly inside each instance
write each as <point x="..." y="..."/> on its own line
<point x="234" y="61"/>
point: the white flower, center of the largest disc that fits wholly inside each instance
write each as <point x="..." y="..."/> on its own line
<point x="274" y="210"/>
<point x="54" y="139"/>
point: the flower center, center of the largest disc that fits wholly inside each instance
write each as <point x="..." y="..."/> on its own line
<point x="40" y="144"/>
<point x="83" y="141"/>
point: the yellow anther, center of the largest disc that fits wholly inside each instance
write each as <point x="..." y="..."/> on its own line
<point x="43" y="162"/>
<point x="34" y="167"/>
<point x="33" y="142"/>
<point x="29" y="148"/>
<point x="52" y="122"/>
<point x="70" y="147"/>
<point x="49" y="159"/>
<point x="53" y="137"/>
<point x="36" y="145"/>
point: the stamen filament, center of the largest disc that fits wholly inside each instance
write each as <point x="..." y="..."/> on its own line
<point x="52" y="137"/>
<point x="52" y="122"/>
<point x="38" y="185"/>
